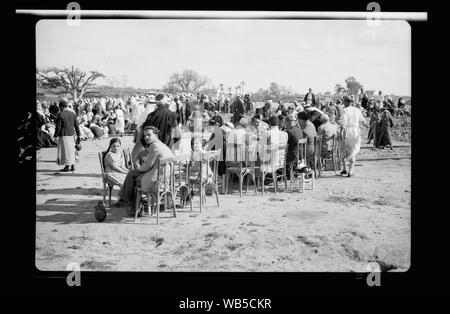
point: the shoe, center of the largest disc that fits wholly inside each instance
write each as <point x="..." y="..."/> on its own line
<point x="72" y="168"/>
<point x="348" y="176"/>
<point x="66" y="169"/>
<point x="344" y="172"/>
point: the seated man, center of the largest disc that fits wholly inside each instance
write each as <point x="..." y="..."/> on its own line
<point x="146" y="175"/>
<point x="294" y="135"/>
<point x="276" y="136"/>
<point x="327" y="130"/>
<point x="309" y="131"/>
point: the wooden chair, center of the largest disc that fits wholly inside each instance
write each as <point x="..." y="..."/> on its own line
<point x="241" y="162"/>
<point x="295" y="171"/>
<point x="164" y="189"/>
<point x="181" y="178"/>
<point x="333" y="157"/>
<point x="205" y="158"/>
<point x="317" y="160"/>
<point x="107" y="184"/>
<point x="272" y="158"/>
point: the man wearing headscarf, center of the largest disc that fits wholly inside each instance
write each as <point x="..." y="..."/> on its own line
<point x="351" y="134"/>
<point x="315" y="115"/>
<point x="66" y="127"/>
<point x="164" y="120"/>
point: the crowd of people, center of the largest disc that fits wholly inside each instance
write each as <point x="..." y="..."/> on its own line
<point x="158" y="122"/>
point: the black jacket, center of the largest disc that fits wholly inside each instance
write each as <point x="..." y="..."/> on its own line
<point x="313" y="99"/>
<point x="66" y="124"/>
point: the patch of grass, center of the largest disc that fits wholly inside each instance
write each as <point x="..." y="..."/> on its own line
<point x="345" y="199"/>
<point x="308" y="241"/>
<point x="353" y="253"/>
<point x="276" y="199"/>
<point x="158" y="240"/>
<point x="255" y="225"/>
<point x="381" y="202"/>
<point x="91" y="264"/>
<point x="212" y="235"/>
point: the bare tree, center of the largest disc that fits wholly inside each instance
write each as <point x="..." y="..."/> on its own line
<point x="187" y="81"/>
<point x="74" y="81"/>
<point x="353" y="85"/>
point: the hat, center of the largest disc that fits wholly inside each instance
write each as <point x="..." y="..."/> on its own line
<point x="159" y="96"/>
<point x="347" y="99"/>
<point x="243" y="122"/>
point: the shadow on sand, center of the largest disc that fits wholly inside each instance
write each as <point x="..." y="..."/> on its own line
<point x="62" y="210"/>
<point x="57" y="172"/>
<point x="74" y="191"/>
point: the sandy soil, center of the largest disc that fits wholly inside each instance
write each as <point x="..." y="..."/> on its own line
<point x="341" y="225"/>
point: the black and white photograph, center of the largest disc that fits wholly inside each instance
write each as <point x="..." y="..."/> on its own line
<point x="222" y="145"/>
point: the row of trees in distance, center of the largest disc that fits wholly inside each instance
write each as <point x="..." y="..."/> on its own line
<point x="75" y="84"/>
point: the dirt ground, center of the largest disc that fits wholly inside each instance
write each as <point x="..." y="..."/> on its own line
<point x="340" y="226"/>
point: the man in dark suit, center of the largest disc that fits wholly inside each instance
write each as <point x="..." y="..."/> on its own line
<point x="66" y="127"/>
<point x="310" y="98"/>
<point x="238" y="109"/>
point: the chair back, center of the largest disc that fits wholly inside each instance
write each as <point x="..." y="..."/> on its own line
<point x="267" y="156"/>
<point x="302" y="149"/>
<point x="238" y="155"/>
<point x="280" y="157"/>
<point x="233" y="154"/>
<point x="181" y="170"/>
<point x="211" y="156"/>
<point x="128" y="160"/>
<point x="101" y="156"/>
<point x="165" y="174"/>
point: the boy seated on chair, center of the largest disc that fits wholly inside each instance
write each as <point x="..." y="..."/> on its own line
<point x="194" y="172"/>
<point x="146" y="175"/>
<point x="326" y="130"/>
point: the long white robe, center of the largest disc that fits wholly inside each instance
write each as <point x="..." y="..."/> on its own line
<point x="351" y="136"/>
<point x="120" y="121"/>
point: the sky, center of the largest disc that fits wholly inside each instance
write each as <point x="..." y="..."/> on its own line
<point x="300" y="54"/>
